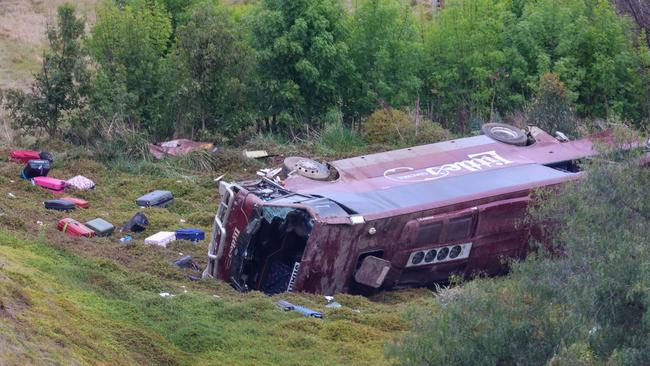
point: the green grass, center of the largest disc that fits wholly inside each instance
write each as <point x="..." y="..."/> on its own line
<point x="96" y="301"/>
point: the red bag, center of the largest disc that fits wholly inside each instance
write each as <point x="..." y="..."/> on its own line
<point x="23" y="156"/>
<point x="51" y="184"/>
<point x="74" y="228"/>
<point x="77" y="202"/>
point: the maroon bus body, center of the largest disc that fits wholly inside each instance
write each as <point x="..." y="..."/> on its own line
<point x="409" y="217"/>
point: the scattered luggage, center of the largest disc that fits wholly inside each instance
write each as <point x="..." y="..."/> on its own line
<point x="187" y="262"/>
<point x="136" y="224"/>
<point x="81" y="183"/>
<point x="74" y="228"/>
<point x="155" y="198"/>
<point x="161" y="239"/>
<point x="51" y="184"/>
<point x="101" y="227"/>
<point x="286" y="306"/>
<point x="59" y="205"/>
<point x="23" y="156"/>
<point x="35" y="168"/>
<point x="77" y="202"/>
<point x="190" y="234"/>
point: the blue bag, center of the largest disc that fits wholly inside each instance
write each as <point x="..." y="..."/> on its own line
<point x="190" y="234"/>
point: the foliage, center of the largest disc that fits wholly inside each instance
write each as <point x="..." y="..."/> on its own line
<point x="61" y="84"/>
<point x="303" y="59"/>
<point x="468" y="64"/>
<point x="587" y="305"/>
<point x="551" y="110"/>
<point x="385" y="47"/>
<point x="385" y="126"/>
<point x="217" y="65"/>
<point x="593" y="50"/>
<point x="128" y="44"/>
<point x="394" y="127"/>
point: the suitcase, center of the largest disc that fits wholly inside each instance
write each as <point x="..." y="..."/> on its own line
<point x="74" y="228"/>
<point x="23" y="156"/>
<point x="35" y="168"/>
<point x="51" y="184"/>
<point x="101" y="227"/>
<point x="59" y="205"/>
<point x="155" y="198"/>
<point x="190" y="234"/>
<point x="81" y="183"/>
<point x="77" y="202"/>
<point x="162" y="238"/>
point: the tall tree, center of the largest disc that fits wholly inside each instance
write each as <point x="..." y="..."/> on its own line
<point x="218" y="66"/>
<point x="129" y="44"/>
<point x="304" y="62"/>
<point x="61" y="84"/>
<point x="386" y="48"/>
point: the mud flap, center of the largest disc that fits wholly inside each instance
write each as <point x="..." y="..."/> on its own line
<point x="372" y="271"/>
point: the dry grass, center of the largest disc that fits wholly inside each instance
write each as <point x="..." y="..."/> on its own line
<point x="22" y="36"/>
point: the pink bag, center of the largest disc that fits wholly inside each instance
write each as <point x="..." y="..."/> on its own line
<point x="51" y="184"/>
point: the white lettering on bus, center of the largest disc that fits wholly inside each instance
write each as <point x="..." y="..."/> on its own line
<point x="476" y="162"/>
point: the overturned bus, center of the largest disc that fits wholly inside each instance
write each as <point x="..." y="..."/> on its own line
<point x="408" y="217"/>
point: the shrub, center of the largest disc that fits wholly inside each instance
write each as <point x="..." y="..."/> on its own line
<point x="551" y="110"/>
<point x="394" y="127"/>
<point x="386" y="126"/>
<point x="589" y="306"/>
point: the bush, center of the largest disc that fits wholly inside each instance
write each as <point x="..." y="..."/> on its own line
<point x="589" y="306"/>
<point x="551" y="110"/>
<point x="394" y="127"/>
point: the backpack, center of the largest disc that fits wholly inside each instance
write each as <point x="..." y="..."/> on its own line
<point x="138" y="223"/>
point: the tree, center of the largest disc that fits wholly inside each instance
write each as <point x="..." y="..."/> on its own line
<point x="592" y="49"/>
<point x="585" y="302"/>
<point x="218" y="66"/>
<point x="304" y="62"/>
<point x="61" y="84"/>
<point x="129" y="45"/>
<point x="551" y="110"/>
<point x="470" y="70"/>
<point x="386" y="49"/>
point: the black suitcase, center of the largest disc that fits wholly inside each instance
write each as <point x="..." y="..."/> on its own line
<point x="35" y="168"/>
<point x="155" y="198"/>
<point x="59" y="205"/>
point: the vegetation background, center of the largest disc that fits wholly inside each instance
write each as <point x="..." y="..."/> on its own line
<point x="95" y="81"/>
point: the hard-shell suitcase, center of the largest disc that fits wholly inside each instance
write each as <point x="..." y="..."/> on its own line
<point x="51" y="184"/>
<point x="162" y="238"/>
<point x="190" y="234"/>
<point x="35" y="168"/>
<point x="155" y="198"/>
<point x="101" y="227"/>
<point x="23" y="156"/>
<point x="74" y="228"/>
<point x="59" y="205"/>
<point x="77" y="202"/>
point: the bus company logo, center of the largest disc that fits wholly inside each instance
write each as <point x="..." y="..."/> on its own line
<point x="474" y="163"/>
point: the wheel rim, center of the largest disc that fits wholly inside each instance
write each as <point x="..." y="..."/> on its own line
<point x="503" y="132"/>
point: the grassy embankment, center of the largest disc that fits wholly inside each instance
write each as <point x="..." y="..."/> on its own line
<point x="96" y="301"/>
